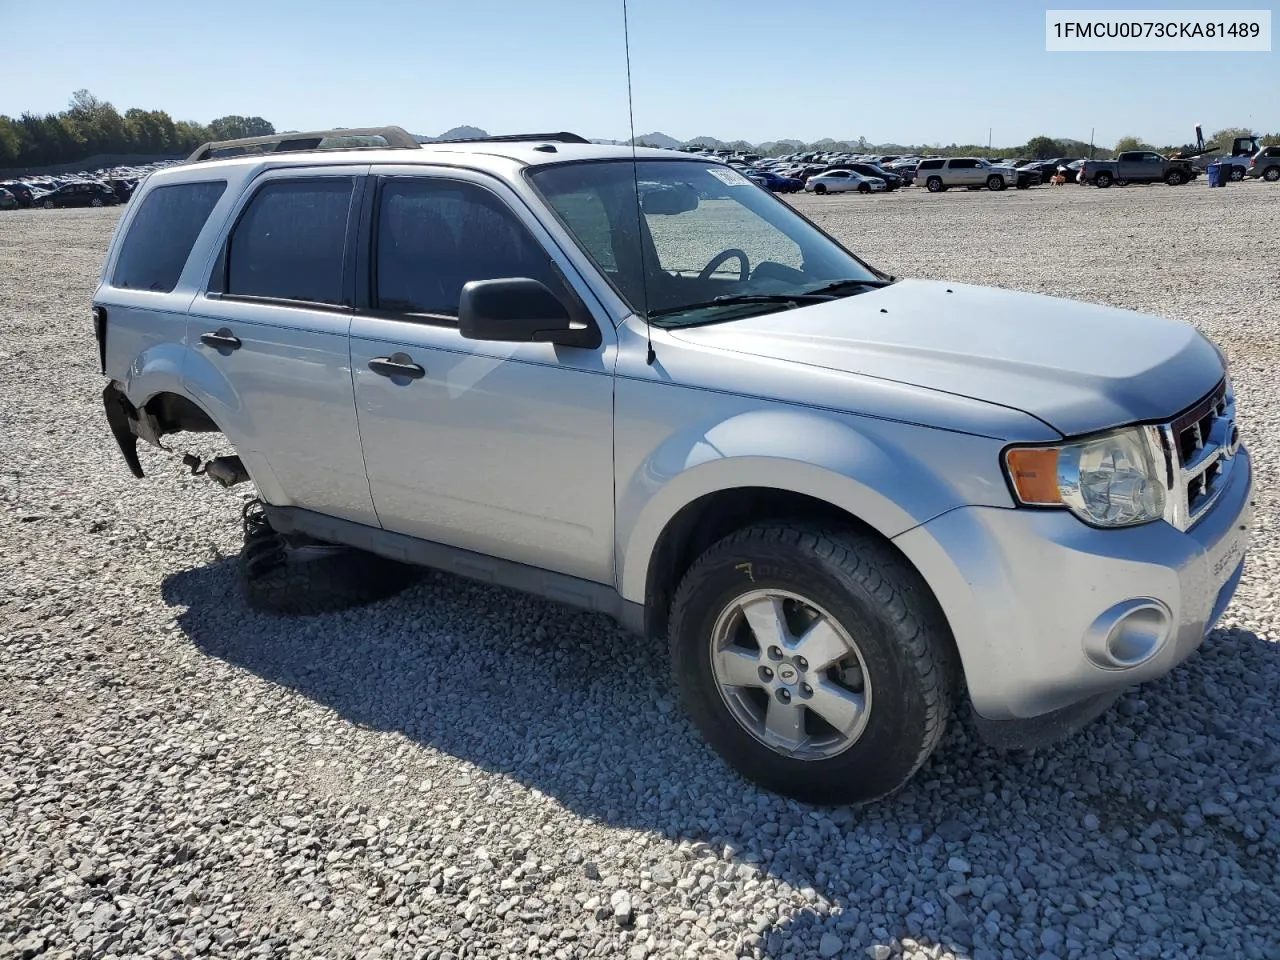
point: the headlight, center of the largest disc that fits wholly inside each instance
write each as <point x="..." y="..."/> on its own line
<point x="1110" y="481"/>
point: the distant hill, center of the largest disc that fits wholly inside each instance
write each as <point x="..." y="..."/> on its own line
<point x="457" y="133"/>
<point x="658" y="140"/>
<point x="1060" y="147"/>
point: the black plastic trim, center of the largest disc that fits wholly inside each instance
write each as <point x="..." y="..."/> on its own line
<point x="1033" y="733"/>
<point x="121" y="417"/>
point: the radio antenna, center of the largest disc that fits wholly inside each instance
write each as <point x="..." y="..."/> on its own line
<point x="649" y="356"/>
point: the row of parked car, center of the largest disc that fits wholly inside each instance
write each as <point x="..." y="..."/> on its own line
<point x="823" y="173"/>
<point x="98" y="188"/>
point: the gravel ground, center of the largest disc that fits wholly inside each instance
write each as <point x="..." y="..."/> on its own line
<point x="181" y="776"/>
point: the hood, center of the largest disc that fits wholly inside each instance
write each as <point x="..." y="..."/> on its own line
<point x="1075" y="366"/>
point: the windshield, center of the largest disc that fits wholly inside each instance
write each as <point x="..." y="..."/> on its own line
<point x="713" y="245"/>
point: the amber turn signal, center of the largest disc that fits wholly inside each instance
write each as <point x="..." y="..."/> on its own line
<point x="1034" y="472"/>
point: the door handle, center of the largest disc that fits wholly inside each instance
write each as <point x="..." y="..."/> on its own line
<point x="397" y="365"/>
<point x="221" y="339"/>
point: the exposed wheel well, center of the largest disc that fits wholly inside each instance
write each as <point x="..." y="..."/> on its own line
<point x="711" y="518"/>
<point x="173" y="413"/>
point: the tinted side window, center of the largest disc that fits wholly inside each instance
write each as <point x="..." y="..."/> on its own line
<point x="433" y="236"/>
<point x="162" y="234"/>
<point x="929" y="165"/>
<point x="290" y="241"/>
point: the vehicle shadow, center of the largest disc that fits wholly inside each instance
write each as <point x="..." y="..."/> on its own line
<point x="1152" y="829"/>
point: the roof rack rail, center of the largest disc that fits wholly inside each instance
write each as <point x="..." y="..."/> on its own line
<point x="351" y="138"/>
<point x="561" y="137"/>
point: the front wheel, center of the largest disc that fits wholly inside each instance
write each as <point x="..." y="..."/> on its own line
<point x="815" y="661"/>
<point x="820" y="188"/>
<point x="1271" y="174"/>
<point x="95" y="202"/>
<point x="995" y="182"/>
<point x="48" y="204"/>
<point x="1173" y="178"/>
<point x="864" y="188"/>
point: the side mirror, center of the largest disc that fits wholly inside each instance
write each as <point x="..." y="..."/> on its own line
<point x="520" y="310"/>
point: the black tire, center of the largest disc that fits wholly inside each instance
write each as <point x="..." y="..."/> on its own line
<point x="1174" y="178"/>
<point x="1237" y="173"/>
<point x="95" y="202"/>
<point x="291" y="580"/>
<point x="876" y="597"/>
<point x="995" y="183"/>
<point x="1103" y="180"/>
<point x="1024" y="185"/>
<point x="864" y="188"/>
<point x="48" y="204"/>
<point x="1271" y="174"/>
<point x="820" y="188"/>
<point x="934" y="185"/>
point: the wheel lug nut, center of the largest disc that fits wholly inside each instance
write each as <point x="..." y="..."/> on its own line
<point x="784" y="696"/>
<point x="806" y="691"/>
<point x="766" y="674"/>
<point x="802" y="663"/>
<point x="775" y="653"/>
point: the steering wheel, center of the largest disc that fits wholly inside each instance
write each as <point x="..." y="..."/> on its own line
<point x="743" y="274"/>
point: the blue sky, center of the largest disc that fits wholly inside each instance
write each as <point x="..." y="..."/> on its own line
<point x="920" y="71"/>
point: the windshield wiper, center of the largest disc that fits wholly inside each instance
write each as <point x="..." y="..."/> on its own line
<point x="837" y="286"/>
<point x="732" y="300"/>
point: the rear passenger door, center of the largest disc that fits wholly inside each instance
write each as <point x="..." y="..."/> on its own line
<point x="505" y="449"/>
<point x="269" y="339"/>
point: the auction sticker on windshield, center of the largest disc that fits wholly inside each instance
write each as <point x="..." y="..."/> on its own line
<point x="731" y="177"/>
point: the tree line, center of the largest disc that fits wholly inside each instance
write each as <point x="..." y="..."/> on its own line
<point x="90" y="126"/>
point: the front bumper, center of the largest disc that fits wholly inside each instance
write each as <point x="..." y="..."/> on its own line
<point x="1023" y="591"/>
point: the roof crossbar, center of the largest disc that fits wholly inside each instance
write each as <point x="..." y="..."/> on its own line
<point x="351" y="138"/>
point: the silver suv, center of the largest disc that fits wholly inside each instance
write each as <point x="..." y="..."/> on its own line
<point x="1265" y="164"/>
<point x="639" y="383"/>
<point x="939" y="174"/>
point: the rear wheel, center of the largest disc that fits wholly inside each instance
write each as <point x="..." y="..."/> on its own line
<point x="815" y="661"/>
<point x="1103" y="180"/>
<point x="1237" y="173"/>
<point x="48" y="204"/>
<point x="934" y="185"/>
<point x="95" y="202"/>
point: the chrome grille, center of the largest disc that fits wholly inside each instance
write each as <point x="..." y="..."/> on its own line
<point x="1199" y="447"/>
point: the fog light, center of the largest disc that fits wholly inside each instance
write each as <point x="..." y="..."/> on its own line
<point x="1128" y="634"/>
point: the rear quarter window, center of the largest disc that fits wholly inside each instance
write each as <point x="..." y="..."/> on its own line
<point x="162" y="234"/>
<point x="930" y="165"/>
